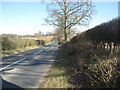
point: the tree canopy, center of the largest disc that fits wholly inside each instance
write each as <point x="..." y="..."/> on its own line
<point x="66" y="14"/>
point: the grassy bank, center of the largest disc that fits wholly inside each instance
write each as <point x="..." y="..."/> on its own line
<point x="5" y="53"/>
<point x="91" y="59"/>
<point x="10" y="52"/>
<point x="57" y="77"/>
<point x="83" y="67"/>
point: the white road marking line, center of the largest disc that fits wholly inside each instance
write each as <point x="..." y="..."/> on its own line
<point x="12" y="64"/>
<point x="38" y="52"/>
<point x="41" y="50"/>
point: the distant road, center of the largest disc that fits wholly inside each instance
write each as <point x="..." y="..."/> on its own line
<point x="27" y="69"/>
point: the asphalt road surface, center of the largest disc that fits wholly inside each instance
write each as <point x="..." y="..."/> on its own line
<point x="27" y="69"/>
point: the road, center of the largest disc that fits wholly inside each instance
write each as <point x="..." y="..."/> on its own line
<point x="27" y="69"/>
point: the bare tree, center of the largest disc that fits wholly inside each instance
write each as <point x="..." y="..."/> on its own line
<point x="66" y="14"/>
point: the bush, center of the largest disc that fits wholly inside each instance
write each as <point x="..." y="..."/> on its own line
<point x="95" y="55"/>
<point x="40" y="42"/>
<point x="15" y="42"/>
<point x="8" y="43"/>
<point x="103" y="74"/>
<point x="94" y="68"/>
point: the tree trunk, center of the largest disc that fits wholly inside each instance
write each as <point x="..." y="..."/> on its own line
<point x="65" y="35"/>
<point x="66" y="22"/>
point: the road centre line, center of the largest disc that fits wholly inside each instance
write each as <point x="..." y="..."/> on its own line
<point x="37" y="52"/>
<point x="41" y="50"/>
<point x="12" y="64"/>
<point x="21" y="59"/>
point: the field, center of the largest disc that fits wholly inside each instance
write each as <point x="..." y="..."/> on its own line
<point x="47" y="39"/>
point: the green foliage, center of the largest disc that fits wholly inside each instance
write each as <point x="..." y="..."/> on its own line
<point x="40" y="42"/>
<point x="15" y="42"/>
<point x="8" y="43"/>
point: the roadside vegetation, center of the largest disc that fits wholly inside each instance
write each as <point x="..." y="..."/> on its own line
<point x="90" y="60"/>
<point x="11" y="44"/>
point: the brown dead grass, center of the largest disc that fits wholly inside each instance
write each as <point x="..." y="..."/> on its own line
<point x="96" y="68"/>
<point x="47" y="39"/>
<point x="80" y="66"/>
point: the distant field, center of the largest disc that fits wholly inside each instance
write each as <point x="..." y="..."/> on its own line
<point x="47" y="39"/>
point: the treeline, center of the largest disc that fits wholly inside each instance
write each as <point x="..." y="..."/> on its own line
<point x="12" y="42"/>
<point x="106" y="35"/>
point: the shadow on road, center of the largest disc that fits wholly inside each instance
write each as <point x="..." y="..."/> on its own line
<point x="7" y="85"/>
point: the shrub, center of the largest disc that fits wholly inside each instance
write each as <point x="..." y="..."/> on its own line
<point x="40" y="42"/>
<point x="15" y="42"/>
<point x="103" y="74"/>
<point x="8" y="43"/>
<point x="97" y="64"/>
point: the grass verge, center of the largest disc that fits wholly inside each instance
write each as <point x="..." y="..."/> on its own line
<point x="6" y="53"/>
<point x="57" y="77"/>
<point x="82" y="67"/>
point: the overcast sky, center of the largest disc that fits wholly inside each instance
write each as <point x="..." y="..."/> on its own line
<point x="27" y="17"/>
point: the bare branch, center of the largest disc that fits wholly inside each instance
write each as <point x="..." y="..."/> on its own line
<point x="66" y="14"/>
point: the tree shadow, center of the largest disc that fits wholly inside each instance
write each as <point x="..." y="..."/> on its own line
<point x="7" y="85"/>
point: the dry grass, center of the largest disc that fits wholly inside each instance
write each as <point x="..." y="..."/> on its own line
<point x="57" y="77"/>
<point x="103" y="74"/>
<point x="11" y="52"/>
<point x="95" y="67"/>
<point x="82" y="66"/>
<point x="47" y="39"/>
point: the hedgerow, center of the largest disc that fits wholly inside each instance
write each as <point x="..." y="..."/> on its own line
<point x="15" y="42"/>
<point x="90" y="52"/>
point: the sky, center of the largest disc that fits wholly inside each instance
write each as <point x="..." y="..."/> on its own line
<point x="27" y="18"/>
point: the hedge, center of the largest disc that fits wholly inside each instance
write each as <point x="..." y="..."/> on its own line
<point x="15" y="42"/>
